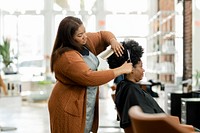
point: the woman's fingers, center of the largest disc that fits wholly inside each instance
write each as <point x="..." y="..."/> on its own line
<point x="118" y="49"/>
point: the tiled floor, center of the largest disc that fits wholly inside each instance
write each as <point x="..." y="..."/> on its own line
<point x="29" y="117"/>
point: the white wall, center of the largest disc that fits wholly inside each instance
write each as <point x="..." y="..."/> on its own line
<point x="195" y="36"/>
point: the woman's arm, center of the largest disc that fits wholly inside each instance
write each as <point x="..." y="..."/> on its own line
<point x="99" y="41"/>
<point x="71" y="67"/>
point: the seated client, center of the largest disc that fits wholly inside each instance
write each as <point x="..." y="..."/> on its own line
<point x="129" y="92"/>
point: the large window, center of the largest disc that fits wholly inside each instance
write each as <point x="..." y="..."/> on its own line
<point x="32" y="24"/>
<point x="26" y="33"/>
<point x="21" y="5"/>
<point x="89" y="23"/>
<point x="128" y="25"/>
<point x="74" y="5"/>
<point x="126" y="5"/>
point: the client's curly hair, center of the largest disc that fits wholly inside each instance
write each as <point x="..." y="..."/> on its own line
<point x="135" y="51"/>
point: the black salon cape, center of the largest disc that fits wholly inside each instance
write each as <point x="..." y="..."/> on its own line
<point x="129" y="94"/>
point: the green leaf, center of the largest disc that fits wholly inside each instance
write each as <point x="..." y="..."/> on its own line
<point x="5" y="52"/>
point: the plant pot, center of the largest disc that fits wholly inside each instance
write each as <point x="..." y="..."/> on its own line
<point x="11" y="69"/>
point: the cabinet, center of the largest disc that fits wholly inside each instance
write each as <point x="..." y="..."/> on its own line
<point x="174" y="102"/>
<point x="161" y="47"/>
<point x="190" y="108"/>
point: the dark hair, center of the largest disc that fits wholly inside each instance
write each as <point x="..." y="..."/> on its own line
<point x="64" y="38"/>
<point x="135" y="51"/>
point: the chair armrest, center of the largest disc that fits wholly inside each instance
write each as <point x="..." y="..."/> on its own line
<point x="174" y="118"/>
<point x="189" y="127"/>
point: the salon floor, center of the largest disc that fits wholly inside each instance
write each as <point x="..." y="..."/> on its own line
<point x="32" y="117"/>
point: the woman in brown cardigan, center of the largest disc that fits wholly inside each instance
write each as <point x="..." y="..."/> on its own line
<point x="73" y="104"/>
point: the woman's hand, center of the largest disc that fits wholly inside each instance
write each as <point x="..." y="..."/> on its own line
<point x="126" y="68"/>
<point x="123" y="69"/>
<point x="116" y="47"/>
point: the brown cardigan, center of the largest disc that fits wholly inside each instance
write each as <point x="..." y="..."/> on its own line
<point x="67" y="103"/>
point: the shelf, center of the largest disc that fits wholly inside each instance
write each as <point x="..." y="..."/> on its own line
<point x="168" y="35"/>
<point x="154" y="35"/>
<point x="161" y="53"/>
<point x="159" y="72"/>
<point x="164" y="35"/>
<point x="163" y="16"/>
<point x="161" y="47"/>
<point x="170" y="15"/>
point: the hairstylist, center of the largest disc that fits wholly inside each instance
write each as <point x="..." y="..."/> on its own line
<point x="73" y="104"/>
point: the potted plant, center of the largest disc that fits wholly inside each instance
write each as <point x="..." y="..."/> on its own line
<point x="6" y="59"/>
